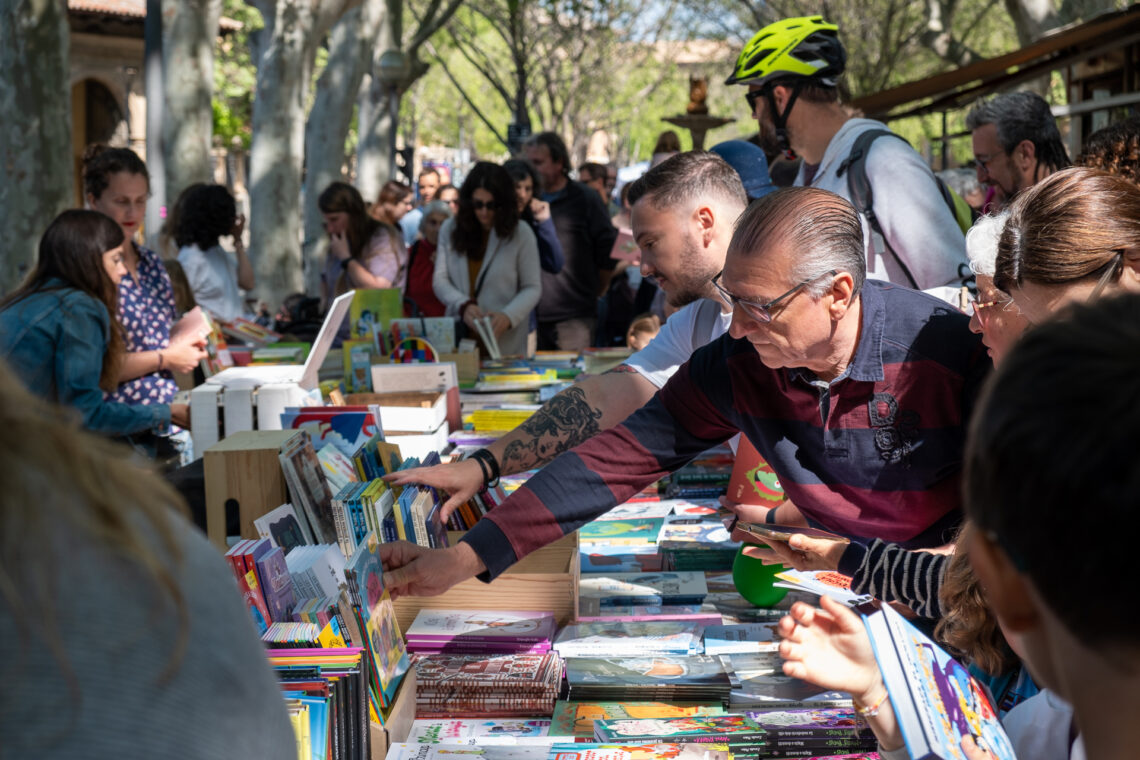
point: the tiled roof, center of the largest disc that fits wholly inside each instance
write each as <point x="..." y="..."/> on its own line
<point x="129" y="9"/>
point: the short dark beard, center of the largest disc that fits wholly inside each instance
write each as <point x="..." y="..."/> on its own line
<point x="694" y="283"/>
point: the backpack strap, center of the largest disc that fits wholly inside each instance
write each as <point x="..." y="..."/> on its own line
<point x="859" y="188"/>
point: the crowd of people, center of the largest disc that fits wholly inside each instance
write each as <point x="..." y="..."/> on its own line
<point x="950" y="445"/>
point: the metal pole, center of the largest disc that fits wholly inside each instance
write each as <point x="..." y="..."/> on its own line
<point x="155" y="95"/>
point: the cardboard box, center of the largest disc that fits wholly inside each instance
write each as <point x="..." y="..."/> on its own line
<point x="546" y="579"/>
<point x="399" y="723"/>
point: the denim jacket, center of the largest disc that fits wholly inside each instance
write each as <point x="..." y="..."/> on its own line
<point x="54" y="340"/>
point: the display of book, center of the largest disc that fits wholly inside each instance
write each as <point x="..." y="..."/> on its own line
<point x="696" y="678"/>
<point x="630" y="639"/>
<point x="644" y="588"/>
<point x="490" y="631"/>
<point x="487" y="685"/>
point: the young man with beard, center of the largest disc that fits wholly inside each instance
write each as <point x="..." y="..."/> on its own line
<point x="792" y="69"/>
<point x="683" y="214"/>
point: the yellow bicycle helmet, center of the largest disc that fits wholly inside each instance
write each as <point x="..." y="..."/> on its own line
<point x="806" y="46"/>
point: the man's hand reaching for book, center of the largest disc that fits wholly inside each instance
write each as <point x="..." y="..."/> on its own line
<point x="461" y="480"/>
<point x="412" y="570"/>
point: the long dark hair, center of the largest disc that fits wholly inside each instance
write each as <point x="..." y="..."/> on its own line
<point x="467" y="235"/>
<point x="343" y="198"/>
<point x="71" y="250"/>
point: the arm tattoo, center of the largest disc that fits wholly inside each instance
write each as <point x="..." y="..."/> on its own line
<point x="566" y="421"/>
<point x="620" y="370"/>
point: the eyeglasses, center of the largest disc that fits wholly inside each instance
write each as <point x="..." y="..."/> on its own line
<point x="480" y="205"/>
<point x="1111" y="269"/>
<point x="762" y="312"/>
<point x="752" y="96"/>
<point x="983" y="308"/>
<point x="980" y="164"/>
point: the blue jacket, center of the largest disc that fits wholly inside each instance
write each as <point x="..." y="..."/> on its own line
<point x="54" y="340"/>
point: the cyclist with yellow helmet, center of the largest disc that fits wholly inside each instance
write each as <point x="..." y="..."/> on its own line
<point x="792" y="69"/>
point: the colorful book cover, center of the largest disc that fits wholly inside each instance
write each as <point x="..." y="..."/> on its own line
<point x="729" y="729"/>
<point x="692" y="531"/>
<point x="697" y="670"/>
<point x="811" y="721"/>
<point x="585" y="713"/>
<point x="742" y="639"/>
<point x="347" y="428"/>
<point x="641" y="510"/>
<point x="824" y="583"/>
<point x="282" y="527"/>
<point x="659" y="751"/>
<point x="276" y="584"/>
<point x="753" y="481"/>
<point x="936" y="700"/>
<point x="414" y="751"/>
<point x="385" y="644"/>
<point x="481" y="732"/>
<point x="482" y="625"/>
<point x="646" y="638"/>
<point x="639" y="531"/>
<point x="373" y="307"/>
<point x="309" y="487"/>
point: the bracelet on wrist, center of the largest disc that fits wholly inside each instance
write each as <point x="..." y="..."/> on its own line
<point x="489" y="465"/>
<point x="870" y="711"/>
<point x="770" y="517"/>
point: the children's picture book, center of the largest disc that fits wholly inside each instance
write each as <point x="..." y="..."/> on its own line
<point x="824" y="583"/>
<point x="481" y="732"/>
<point x="282" y="527"/>
<point x="936" y="700"/>
<point x="416" y="751"/>
<point x="753" y="480"/>
<point x="639" y="510"/>
<point x="648" y="672"/>
<point x="634" y="531"/>
<point x="741" y="639"/>
<point x="365" y="576"/>
<point x="812" y="722"/>
<point x="308" y="486"/>
<point x="581" y="715"/>
<point x="665" y="637"/>
<point x="373" y="307"/>
<point x="346" y="427"/>
<point x="696" y="530"/>
<point x="728" y="729"/>
<point x="631" y="751"/>
<point x="645" y="588"/>
<point x="513" y="626"/>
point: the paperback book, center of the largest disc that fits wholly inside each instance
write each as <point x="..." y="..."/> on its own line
<point x="503" y="631"/>
<point x="630" y="531"/>
<point x="747" y="638"/>
<point x="629" y="639"/>
<point x="577" y="718"/>
<point x="644" y="588"/>
<point x="697" y="678"/>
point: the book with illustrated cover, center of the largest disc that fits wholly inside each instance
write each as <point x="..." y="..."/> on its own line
<point x="580" y="716"/>
<point x="804" y="722"/>
<point x="742" y="639"/>
<point x="481" y="732"/>
<point x="936" y="700"/>
<point x="506" y="627"/>
<point x="753" y="481"/>
<point x="639" y="510"/>
<point x="824" y="583"/>
<point x="644" y="588"/>
<point x="629" y="638"/>
<point x="283" y="528"/>
<point x="631" y="751"/>
<point x="629" y="531"/>
<point x="309" y="487"/>
<point x="697" y="678"/>
<point x="733" y="730"/>
<point x="687" y="530"/>
<point x="385" y="650"/>
<point x="416" y="751"/>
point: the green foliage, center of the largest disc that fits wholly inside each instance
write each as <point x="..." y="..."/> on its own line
<point x="235" y="76"/>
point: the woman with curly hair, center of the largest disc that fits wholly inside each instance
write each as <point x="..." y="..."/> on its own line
<point x="487" y="263"/>
<point x="1115" y="149"/>
<point x="215" y="276"/>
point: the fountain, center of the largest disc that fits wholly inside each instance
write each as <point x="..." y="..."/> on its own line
<point x="696" y="118"/>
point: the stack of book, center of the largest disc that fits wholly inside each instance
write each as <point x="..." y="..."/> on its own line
<point x="482" y="686"/>
<point x="361" y="508"/>
<point x="745" y="737"/>
<point x="746" y="638"/>
<point x="629" y="532"/>
<point x="483" y="631"/>
<point x="696" y="543"/>
<point x="677" y="638"/>
<point x="632" y="751"/>
<point x="263" y="579"/>
<point x="476" y="732"/>
<point x="577" y="718"/>
<point x="617" y="589"/>
<point x="697" y="678"/>
<point x="817" y="731"/>
<point x="758" y="682"/>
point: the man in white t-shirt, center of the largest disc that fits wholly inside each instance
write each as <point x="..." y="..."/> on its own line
<point x="683" y="216"/>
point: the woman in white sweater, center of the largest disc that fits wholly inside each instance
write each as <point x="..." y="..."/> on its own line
<point x="487" y="264"/>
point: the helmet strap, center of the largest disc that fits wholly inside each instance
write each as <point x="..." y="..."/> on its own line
<point x="781" y="119"/>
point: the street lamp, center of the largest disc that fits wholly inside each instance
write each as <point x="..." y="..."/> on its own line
<point x="392" y="71"/>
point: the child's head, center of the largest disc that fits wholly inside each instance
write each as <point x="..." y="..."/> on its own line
<point x="1051" y="479"/>
<point x="642" y="330"/>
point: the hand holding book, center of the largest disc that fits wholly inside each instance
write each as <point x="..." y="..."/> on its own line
<point x="413" y="570"/>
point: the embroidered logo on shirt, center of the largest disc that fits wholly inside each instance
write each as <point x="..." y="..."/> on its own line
<point x="896" y="432"/>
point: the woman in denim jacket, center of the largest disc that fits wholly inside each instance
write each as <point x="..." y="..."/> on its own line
<point x="59" y="333"/>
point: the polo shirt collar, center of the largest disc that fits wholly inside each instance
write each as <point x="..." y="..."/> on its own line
<point x="867" y="366"/>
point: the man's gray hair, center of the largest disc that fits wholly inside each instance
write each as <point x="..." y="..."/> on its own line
<point x="820" y="229"/>
<point x="1022" y="116"/>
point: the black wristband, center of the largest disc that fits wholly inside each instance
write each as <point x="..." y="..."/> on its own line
<point x="770" y="518"/>
<point x="489" y="466"/>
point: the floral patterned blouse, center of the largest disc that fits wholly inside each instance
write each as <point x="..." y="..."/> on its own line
<point x="146" y="311"/>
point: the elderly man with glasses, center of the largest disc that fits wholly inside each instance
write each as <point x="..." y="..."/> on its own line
<point x="857" y="393"/>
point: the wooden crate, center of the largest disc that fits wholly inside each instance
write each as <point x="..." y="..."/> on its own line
<point x="399" y="723"/>
<point x="546" y="579"/>
<point x="244" y="468"/>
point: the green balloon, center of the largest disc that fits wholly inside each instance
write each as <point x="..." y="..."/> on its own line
<point x="754" y="580"/>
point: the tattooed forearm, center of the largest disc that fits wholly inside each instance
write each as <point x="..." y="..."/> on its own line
<point x="620" y="370"/>
<point x="566" y="421"/>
